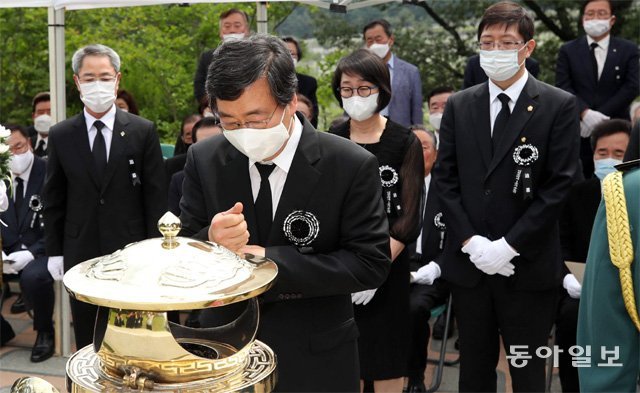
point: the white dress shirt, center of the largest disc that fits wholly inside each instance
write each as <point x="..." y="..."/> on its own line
<point x="513" y="91"/>
<point x="600" y="52"/>
<point x="40" y="138"/>
<point x="108" y="119"/>
<point x="278" y="177"/>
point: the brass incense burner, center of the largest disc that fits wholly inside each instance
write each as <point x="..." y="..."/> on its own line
<point x="136" y="347"/>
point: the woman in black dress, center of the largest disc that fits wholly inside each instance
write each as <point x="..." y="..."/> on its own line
<point x="362" y="85"/>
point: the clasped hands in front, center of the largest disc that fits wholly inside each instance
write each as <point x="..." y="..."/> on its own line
<point x="491" y="257"/>
<point x="229" y="229"/>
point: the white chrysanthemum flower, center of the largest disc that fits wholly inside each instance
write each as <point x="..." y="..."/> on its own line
<point x="4" y="132"/>
<point x="3" y="148"/>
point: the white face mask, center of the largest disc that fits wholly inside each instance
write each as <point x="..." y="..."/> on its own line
<point x="360" y="108"/>
<point x="232" y="37"/>
<point x="379" y="50"/>
<point x="42" y="123"/>
<point x="98" y="96"/>
<point x="435" y="119"/>
<point x="596" y="27"/>
<point x="500" y="65"/>
<point x="18" y="163"/>
<point x="259" y="144"/>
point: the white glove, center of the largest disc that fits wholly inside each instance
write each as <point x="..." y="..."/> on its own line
<point x="363" y="297"/>
<point x="590" y="119"/>
<point x="4" y="201"/>
<point x="496" y="258"/>
<point x="55" y="266"/>
<point x="426" y="275"/>
<point x="20" y="259"/>
<point x="571" y="284"/>
<point x="475" y="246"/>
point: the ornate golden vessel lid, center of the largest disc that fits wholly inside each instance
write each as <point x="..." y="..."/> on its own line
<point x="170" y="273"/>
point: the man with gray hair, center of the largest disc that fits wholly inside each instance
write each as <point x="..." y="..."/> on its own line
<point x="105" y="185"/>
<point x="310" y="201"/>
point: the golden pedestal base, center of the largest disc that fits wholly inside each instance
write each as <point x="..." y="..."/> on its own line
<point x="258" y="375"/>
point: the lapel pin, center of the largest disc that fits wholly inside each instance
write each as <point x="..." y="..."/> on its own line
<point x="523" y="139"/>
<point x="530" y="108"/>
<point x="121" y="133"/>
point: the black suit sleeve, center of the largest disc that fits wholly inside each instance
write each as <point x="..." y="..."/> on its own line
<point x="560" y="168"/>
<point x="192" y="206"/>
<point x="154" y="185"/>
<point x="564" y="77"/>
<point x="201" y="75"/>
<point x="362" y="260"/>
<point x="55" y="197"/>
<point x="447" y="179"/>
<point x="633" y="150"/>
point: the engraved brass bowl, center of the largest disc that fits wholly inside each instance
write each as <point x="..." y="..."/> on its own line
<point x="136" y="286"/>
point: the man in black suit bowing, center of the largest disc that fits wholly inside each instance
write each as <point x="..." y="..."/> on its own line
<point x="310" y="201"/>
<point x="508" y="152"/>
<point x="105" y="185"/>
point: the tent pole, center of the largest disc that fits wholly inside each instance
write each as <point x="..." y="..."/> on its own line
<point x="58" y="113"/>
<point x="261" y="17"/>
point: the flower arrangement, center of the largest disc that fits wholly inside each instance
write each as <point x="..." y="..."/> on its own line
<point x="5" y="154"/>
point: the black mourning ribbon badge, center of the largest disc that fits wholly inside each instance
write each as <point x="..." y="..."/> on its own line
<point x="301" y="228"/>
<point x="439" y="224"/>
<point x="389" y="179"/>
<point x="35" y="205"/>
<point x="524" y="156"/>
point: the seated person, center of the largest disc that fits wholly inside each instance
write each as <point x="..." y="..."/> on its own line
<point x="184" y="138"/>
<point x="609" y="142"/>
<point x="203" y="129"/>
<point x="306" y="107"/>
<point x="427" y="291"/>
<point x="307" y="85"/>
<point x="23" y="240"/>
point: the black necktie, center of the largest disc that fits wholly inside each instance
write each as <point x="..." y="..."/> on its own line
<point x="40" y="149"/>
<point x="594" y="61"/>
<point x="263" y="204"/>
<point x="500" y="125"/>
<point x="19" y="193"/>
<point x="99" y="149"/>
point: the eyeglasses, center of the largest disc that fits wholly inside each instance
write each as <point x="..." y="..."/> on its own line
<point x="257" y="124"/>
<point x="363" y="91"/>
<point x="507" y="45"/>
<point x="91" y="79"/>
<point x="600" y="14"/>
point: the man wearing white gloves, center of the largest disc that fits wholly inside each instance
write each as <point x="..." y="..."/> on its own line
<point x="507" y="156"/>
<point x="23" y="240"/>
<point x="427" y="290"/>
<point x="600" y="70"/>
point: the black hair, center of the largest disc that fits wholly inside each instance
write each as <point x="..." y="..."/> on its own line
<point x="294" y="42"/>
<point x="386" y="26"/>
<point x="509" y="14"/>
<point x="368" y="66"/>
<point x="439" y="90"/>
<point x="40" y="97"/>
<point x="238" y="64"/>
<point x="211" y="121"/>
<point x="609" y="127"/>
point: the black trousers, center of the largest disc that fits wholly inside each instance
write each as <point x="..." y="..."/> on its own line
<point x="566" y="327"/>
<point x="423" y="299"/>
<point x="84" y="321"/>
<point x="37" y="291"/>
<point x="493" y="309"/>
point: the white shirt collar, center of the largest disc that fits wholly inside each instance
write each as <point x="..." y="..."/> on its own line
<point x="285" y="158"/>
<point x="391" y="61"/>
<point x="512" y="91"/>
<point x="41" y="138"/>
<point x="603" y="43"/>
<point x="108" y="119"/>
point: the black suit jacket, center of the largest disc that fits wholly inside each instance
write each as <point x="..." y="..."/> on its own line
<point x="201" y="74"/>
<point x="474" y="74"/>
<point x="307" y="317"/>
<point x="475" y="186"/>
<point x="618" y="83"/>
<point x="19" y="230"/>
<point x="86" y="217"/>
<point x="174" y="165"/>
<point x="430" y="233"/>
<point x="307" y="86"/>
<point x="577" y="218"/>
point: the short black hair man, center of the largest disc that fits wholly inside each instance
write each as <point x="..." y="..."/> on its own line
<point x="507" y="157"/>
<point x="270" y="168"/>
